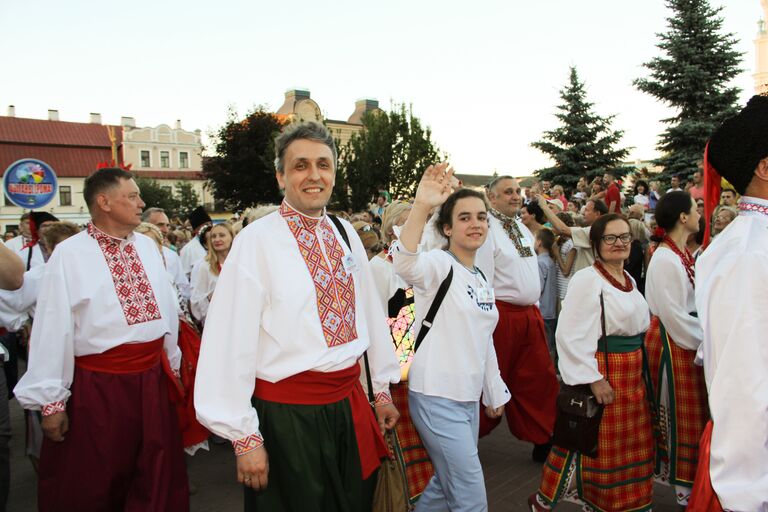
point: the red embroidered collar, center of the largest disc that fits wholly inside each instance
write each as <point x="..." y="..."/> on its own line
<point x="746" y="206"/>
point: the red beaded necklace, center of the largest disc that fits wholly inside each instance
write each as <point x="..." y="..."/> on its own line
<point x="628" y="287"/>
<point x="685" y="257"/>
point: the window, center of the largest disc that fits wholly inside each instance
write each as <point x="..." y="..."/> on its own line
<point x="65" y="196"/>
<point x="165" y="160"/>
<point x="145" y="159"/>
<point x="183" y="160"/>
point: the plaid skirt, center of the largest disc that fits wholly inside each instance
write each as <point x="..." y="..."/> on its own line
<point x="680" y="396"/>
<point x="409" y="448"/>
<point x="620" y="478"/>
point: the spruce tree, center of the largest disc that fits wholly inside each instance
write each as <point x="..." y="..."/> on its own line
<point x="584" y="144"/>
<point x="692" y="76"/>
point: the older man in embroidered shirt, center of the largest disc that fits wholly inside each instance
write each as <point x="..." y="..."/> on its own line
<point x="295" y="309"/>
<point x="106" y="313"/>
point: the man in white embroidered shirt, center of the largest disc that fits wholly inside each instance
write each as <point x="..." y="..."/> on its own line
<point x="295" y="309"/>
<point x="106" y="313"/>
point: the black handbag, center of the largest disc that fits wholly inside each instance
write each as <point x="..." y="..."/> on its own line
<point x="578" y="414"/>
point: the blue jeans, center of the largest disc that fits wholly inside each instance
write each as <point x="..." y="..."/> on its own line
<point x="449" y="431"/>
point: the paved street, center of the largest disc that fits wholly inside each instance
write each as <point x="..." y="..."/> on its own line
<point x="510" y="475"/>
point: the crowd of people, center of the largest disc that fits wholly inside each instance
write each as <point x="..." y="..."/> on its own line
<point x="303" y="336"/>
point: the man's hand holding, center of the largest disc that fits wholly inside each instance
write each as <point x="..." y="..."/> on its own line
<point x="253" y="468"/>
<point x="387" y="416"/>
<point x="55" y="426"/>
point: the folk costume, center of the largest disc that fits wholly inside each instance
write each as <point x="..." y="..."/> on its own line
<point x="620" y="478"/>
<point x="180" y="279"/>
<point x="194" y="251"/>
<point x="679" y="390"/>
<point x="397" y="297"/>
<point x="455" y="364"/>
<point x="105" y="315"/>
<point x="730" y="297"/>
<point x="202" y="284"/>
<point x="509" y="261"/>
<point x="294" y="311"/>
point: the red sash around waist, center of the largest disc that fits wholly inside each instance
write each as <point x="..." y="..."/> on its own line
<point x="321" y="388"/>
<point x="506" y="306"/>
<point x="125" y="358"/>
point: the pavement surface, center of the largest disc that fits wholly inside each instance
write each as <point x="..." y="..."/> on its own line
<point x="510" y="475"/>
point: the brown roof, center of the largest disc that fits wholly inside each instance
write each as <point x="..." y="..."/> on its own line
<point x="67" y="162"/>
<point x="56" y="133"/>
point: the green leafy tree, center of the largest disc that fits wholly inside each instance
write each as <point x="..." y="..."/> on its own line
<point x="156" y="196"/>
<point x="390" y="152"/>
<point x="584" y="144"/>
<point x="242" y="173"/>
<point x="186" y="199"/>
<point x="692" y="76"/>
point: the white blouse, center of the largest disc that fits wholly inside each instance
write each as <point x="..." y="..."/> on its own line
<point x="79" y="313"/>
<point x="579" y="326"/>
<point x="670" y="296"/>
<point x="731" y="298"/>
<point x="190" y="254"/>
<point x="457" y="359"/>
<point x="386" y="279"/>
<point x="173" y="264"/>
<point x="263" y="323"/>
<point x="202" y="285"/>
<point x="16" y="306"/>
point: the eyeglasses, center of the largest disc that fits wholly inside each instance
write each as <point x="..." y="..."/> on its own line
<point x="611" y="239"/>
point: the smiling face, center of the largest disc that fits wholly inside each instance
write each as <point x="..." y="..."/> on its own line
<point x="505" y="196"/>
<point x="122" y="204"/>
<point x="619" y="251"/>
<point x="469" y="225"/>
<point x="308" y="176"/>
<point x="220" y="238"/>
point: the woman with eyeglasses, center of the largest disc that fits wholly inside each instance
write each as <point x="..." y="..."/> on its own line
<point x="620" y="477"/>
<point x="679" y="388"/>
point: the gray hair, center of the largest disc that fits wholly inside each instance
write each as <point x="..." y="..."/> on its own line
<point x="149" y="212"/>
<point x="495" y="181"/>
<point x="310" y="130"/>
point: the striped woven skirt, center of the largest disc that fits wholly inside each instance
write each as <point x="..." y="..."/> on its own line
<point x="680" y="395"/>
<point x="620" y="478"/>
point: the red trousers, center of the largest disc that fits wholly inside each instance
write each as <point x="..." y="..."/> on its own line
<point x="527" y="369"/>
<point x="122" y="451"/>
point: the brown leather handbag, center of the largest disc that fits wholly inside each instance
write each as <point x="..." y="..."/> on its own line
<point x="578" y="414"/>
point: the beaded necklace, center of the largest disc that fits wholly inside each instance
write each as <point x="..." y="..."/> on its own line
<point x="513" y="232"/>
<point x="685" y="257"/>
<point x="628" y="287"/>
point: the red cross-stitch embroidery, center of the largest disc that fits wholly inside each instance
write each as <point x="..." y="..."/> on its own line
<point x="247" y="444"/>
<point x="131" y="282"/>
<point x="335" y="289"/>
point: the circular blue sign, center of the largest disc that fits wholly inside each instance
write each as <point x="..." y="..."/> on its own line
<point x="30" y="183"/>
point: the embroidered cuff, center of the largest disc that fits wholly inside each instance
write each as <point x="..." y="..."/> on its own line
<point x="53" y="408"/>
<point x="382" y="398"/>
<point x="247" y="444"/>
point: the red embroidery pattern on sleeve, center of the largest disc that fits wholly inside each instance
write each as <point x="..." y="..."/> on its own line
<point x="247" y="444"/>
<point x="382" y="398"/>
<point x="54" y="408"/>
<point x="334" y="287"/>
<point x="134" y="291"/>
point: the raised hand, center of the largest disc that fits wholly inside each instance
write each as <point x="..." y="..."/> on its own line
<point x="435" y="185"/>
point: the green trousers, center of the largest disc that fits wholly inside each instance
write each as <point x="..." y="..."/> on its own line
<point x="314" y="464"/>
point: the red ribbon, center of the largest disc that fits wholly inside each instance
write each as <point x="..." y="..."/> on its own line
<point x="712" y="182"/>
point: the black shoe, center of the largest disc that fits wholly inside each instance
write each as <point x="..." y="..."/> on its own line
<point x="540" y="452"/>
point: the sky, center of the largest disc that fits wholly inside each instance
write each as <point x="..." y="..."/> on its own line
<point x="483" y="74"/>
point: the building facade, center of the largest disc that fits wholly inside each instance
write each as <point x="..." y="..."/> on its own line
<point x="761" y="53"/>
<point x="75" y="150"/>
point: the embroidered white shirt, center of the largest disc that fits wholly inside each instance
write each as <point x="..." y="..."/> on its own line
<point x="203" y="284"/>
<point x="263" y="323"/>
<point x="79" y="313"/>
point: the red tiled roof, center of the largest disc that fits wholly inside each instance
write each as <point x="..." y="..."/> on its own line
<point x="67" y="162"/>
<point x="56" y="133"/>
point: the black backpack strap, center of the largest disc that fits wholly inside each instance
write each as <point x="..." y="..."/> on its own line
<point x="342" y="231"/>
<point x="426" y="324"/>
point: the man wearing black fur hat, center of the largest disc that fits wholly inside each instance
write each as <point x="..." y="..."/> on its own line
<point x="194" y="250"/>
<point x="731" y="300"/>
